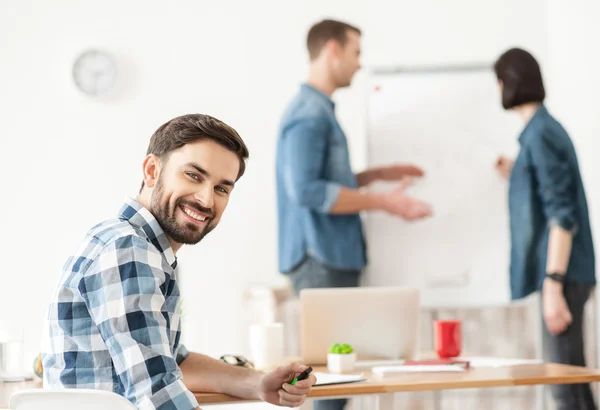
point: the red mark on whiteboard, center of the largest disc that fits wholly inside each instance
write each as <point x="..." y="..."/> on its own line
<point x="377" y="88"/>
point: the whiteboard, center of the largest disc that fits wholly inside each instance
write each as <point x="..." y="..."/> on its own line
<point x="450" y="123"/>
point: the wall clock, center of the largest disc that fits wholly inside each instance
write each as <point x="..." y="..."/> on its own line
<point x="94" y="72"/>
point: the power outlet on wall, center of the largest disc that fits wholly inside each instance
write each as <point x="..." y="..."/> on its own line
<point x="447" y="280"/>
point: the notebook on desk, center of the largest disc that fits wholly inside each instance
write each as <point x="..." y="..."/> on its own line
<point x="448" y="365"/>
<point x="324" y="379"/>
<point x="424" y="368"/>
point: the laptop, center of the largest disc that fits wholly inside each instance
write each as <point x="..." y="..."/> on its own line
<point x="380" y="323"/>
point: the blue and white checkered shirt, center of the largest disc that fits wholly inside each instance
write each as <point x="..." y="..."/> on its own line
<point x="114" y="321"/>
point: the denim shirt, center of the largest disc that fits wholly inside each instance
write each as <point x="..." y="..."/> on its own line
<point x="313" y="163"/>
<point x="545" y="190"/>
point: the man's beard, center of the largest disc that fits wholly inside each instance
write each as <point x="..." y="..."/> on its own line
<point x="188" y="234"/>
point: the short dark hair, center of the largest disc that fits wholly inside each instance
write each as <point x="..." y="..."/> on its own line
<point x="521" y="78"/>
<point x="325" y="30"/>
<point x="186" y="129"/>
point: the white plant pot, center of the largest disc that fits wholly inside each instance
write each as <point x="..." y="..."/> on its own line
<point x="340" y="363"/>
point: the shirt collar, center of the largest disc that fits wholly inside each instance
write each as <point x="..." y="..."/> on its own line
<point x="136" y="214"/>
<point x="309" y="89"/>
<point x="535" y="119"/>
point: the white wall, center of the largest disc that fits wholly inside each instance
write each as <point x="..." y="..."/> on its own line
<point x="573" y="86"/>
<point x="69" y="160"/>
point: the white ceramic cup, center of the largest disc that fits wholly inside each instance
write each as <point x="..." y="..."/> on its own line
<point x="266" y="345"/>
<point x="11" y="352"/>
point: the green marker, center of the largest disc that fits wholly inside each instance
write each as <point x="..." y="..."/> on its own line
<point x="302" y="376"/>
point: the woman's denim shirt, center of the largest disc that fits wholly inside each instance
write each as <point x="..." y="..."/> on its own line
<point x="546" y="189"/>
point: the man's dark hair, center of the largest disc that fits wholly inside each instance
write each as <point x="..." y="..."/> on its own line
<point x="186" y="129"/>
<point x="325" y="30"/>
<point x="521" y="78"/>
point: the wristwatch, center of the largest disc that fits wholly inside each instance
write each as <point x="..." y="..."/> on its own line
<point x="557" y="277"/>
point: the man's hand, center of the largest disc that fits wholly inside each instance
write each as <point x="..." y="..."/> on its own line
<point x="504" y="166"/>
<point x="398" y="171"/>
<point x="275" y="388"/>
<point x="398" y="203"/>
<point x="388" y="173"/>
<point x="554" y="306"/>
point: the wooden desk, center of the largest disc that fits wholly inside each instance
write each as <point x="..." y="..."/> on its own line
<point x="524" y="375"/>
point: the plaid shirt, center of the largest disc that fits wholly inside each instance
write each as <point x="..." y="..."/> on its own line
<point x="113" y="322"/>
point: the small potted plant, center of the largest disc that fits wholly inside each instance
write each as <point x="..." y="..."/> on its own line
<point x="341" y="358"/>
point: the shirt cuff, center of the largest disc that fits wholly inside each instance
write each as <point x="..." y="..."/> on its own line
<point x="331" y="195"/>
<point x="182" y="354"/>
<point x="568" y="224"/>
<point x="175" y="396"/>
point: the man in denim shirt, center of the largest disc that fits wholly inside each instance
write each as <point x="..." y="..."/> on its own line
<point x="552" y="247"/>
<point x="321" y="241"/>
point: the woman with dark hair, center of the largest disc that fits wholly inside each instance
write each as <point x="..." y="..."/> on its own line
<point x="551" y="241"/>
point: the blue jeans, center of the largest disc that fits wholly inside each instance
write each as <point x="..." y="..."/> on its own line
<point x="567" y="348"/>
<point x="314" y="274"/>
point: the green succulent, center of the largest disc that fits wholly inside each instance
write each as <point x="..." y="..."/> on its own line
<point x="341" y="348"/>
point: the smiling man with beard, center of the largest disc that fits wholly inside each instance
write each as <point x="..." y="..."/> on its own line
<point x="113" y="323"/>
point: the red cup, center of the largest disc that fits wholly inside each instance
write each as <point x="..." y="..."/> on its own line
<point x="448" y="338"/>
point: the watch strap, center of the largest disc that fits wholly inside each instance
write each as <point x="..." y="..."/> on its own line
<point x="556" y="277"/>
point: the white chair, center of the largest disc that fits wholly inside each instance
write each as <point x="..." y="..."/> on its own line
<point x="68" y="399"/>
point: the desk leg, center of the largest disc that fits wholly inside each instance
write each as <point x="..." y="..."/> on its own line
<point x="384" y="401"/>
<point x="437" y="400"/>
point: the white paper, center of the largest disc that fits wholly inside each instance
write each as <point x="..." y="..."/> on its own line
<point x="386" y="370"/>
<point x="498" y="362"/>
<point x="330" y="378"/>
<point x="369" y="364"/>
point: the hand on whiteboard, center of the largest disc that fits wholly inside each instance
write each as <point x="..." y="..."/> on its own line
<point x="397" y="202"/>
<point x="504" y="166"/>
<point x="398" y="171"/>
<point x="554" y="307"/>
